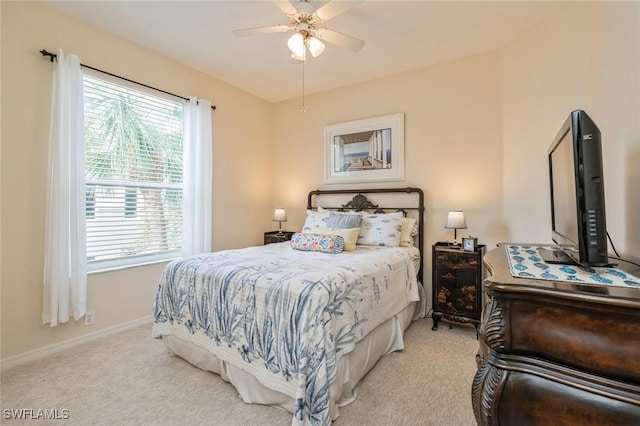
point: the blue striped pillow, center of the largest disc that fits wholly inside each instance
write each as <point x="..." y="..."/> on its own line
<point x="343" y="220"/>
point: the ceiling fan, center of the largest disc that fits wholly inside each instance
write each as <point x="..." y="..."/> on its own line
<point x="306" y="21"/>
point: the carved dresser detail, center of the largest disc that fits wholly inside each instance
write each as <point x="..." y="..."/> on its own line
<point x="556" y="353"/>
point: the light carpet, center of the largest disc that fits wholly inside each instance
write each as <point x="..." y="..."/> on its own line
<point x="130" y="378"/>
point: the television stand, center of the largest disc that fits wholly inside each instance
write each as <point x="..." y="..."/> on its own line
<point x="556" y="352"/>
<point x="556" y="256"/>
<point x="552" y="256"/>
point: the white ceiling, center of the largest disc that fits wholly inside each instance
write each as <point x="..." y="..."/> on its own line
<point x="399" y="36"/>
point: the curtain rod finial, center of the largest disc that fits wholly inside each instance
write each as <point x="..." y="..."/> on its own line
<point x="52" y="56"/>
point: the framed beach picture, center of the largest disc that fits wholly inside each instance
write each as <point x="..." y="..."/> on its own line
<point x="368" y="150"/>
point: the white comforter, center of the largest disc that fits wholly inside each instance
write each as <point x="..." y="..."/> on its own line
<point x="286" y="316"/>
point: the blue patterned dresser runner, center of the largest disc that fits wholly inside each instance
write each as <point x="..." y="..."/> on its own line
<point x="525" y="262"/>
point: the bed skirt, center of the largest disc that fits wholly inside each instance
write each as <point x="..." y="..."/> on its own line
<point x="352" y="367"/>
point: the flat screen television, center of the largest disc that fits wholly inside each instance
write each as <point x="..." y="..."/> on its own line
<point x="578" y="220"/>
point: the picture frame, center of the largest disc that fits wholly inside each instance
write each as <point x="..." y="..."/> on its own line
<point x="368" y="150"/>
<point x="469" y="243"/>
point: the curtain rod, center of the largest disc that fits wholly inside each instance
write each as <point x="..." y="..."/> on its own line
<point x="53" y="56"/>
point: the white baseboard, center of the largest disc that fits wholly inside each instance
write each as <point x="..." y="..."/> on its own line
<point x="40" y="353"/>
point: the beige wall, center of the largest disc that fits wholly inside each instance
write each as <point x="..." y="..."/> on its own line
<point x="587" y="57"/>
<point x="242" y="168"/>
<point x="453" y="142"/>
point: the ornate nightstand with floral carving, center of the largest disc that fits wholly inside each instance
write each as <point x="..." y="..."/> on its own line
<point x="457" y="284"/>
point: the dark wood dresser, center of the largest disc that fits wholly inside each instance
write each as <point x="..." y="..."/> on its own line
<point x="555" y="352"/>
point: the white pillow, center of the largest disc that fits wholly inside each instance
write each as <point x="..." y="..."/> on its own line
<point x="350" y="235"/>
<point x="315" y="220"/>
<point x="381" y="229"/>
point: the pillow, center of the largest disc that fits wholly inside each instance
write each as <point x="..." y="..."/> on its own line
<point x="381" y="229"/>
<point x="350" y="235"/>
<point x="315" y="220"/>
<point x="409" y="229"/>
<point x="323" y="210"/>
<point x="324" y="243"/>
<point x="344" y="220"/>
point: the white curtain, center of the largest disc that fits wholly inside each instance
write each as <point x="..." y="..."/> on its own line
<point x="197" y="179"/>
<point x="65" y="273"/>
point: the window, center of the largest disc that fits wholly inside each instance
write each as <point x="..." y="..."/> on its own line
<point x="130" y="202"/>
<point x="90" y="203"/>
<point x="133" y="175"/>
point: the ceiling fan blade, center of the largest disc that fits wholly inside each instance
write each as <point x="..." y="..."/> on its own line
<point x="339" y="39"/>
<point x="262" y="30"/>
<point x="335" y="8"/>
<point x="286" y="7"/>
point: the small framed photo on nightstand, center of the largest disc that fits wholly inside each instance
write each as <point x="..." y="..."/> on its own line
<point x="469" y="243"/>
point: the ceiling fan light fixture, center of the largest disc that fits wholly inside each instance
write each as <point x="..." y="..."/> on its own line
<point x="298" y="57"/>
<point x="316" y="47"/>
<point x="296" y="44"/>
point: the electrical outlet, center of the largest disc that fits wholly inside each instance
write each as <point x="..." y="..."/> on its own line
<point x="89" y="317"/>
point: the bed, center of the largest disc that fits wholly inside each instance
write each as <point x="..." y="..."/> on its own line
<point x="297" y="327"/>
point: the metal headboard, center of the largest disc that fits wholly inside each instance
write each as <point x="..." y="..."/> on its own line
<point x="361" y="202"/>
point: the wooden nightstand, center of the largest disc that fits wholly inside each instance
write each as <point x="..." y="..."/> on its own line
<point x="277" y="236"/>
<point x="457" y="284"/>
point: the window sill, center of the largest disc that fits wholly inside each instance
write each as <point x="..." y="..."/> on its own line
<point x="134" y="265"/>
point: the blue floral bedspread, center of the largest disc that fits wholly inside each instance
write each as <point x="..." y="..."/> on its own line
<point x="286" y="316"/>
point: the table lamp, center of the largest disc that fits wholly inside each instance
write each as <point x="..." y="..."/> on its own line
<point x="455" y="221"/>
<point x="279" y="215"/>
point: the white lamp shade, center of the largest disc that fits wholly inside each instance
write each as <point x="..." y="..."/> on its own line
<point x="455" y="220"/>
<point x="280" y="215"/>
<point x="296" y="44"/>
<point x="316" y="47"/>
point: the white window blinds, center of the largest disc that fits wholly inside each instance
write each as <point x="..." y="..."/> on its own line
<point x="134" y="175"/>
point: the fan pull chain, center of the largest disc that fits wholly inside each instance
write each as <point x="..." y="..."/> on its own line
<point x="304" y="59"/>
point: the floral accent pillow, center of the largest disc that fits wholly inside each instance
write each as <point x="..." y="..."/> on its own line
<point x="381" y="229"/>
<point x="324" y="243"/>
